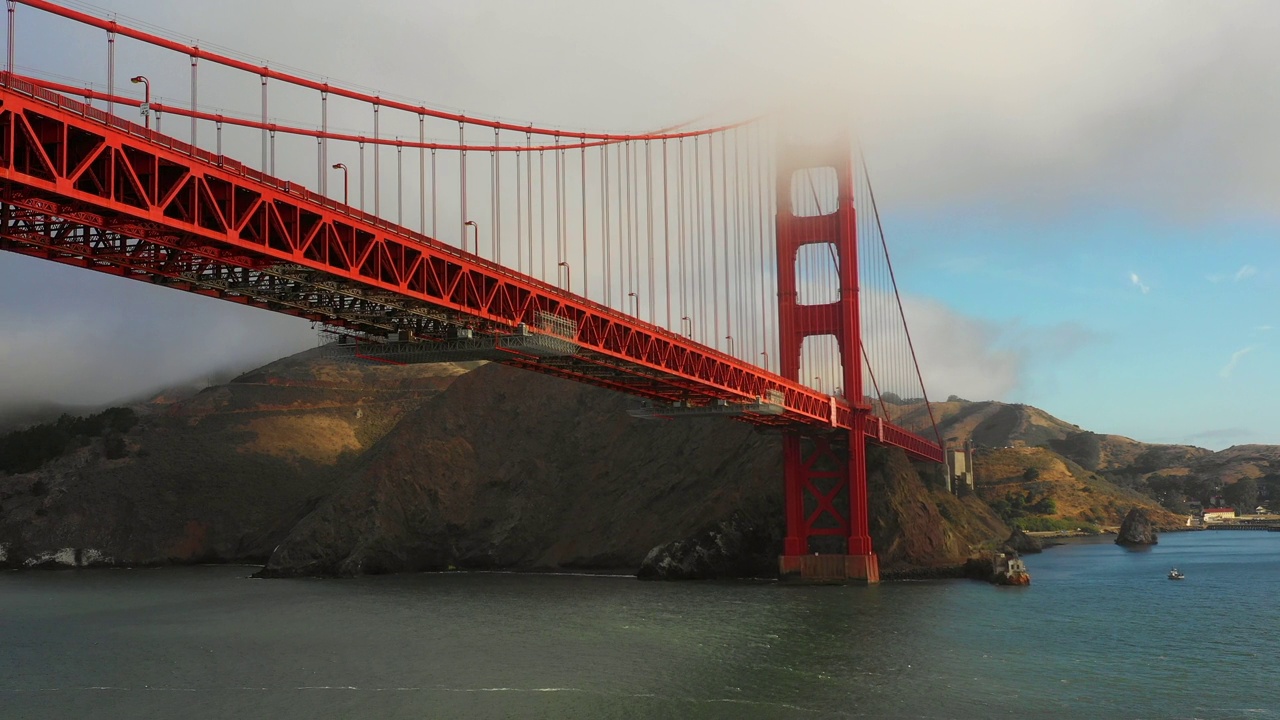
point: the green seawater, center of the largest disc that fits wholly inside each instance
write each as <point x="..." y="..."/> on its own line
<point x="1100" y="633"/>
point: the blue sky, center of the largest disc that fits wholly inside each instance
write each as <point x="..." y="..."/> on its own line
<point x="1079" y="196"/>
<point x="1125" y="323"/>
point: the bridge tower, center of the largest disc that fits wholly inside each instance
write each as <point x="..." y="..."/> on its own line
<point x="825" y="473"/>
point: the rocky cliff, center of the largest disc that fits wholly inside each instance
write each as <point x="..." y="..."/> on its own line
<point x="511" y="469"/>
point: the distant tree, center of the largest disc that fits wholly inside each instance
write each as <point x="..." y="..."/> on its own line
<point x="1242" y="494"/>
<point x="1045" y="506"/>
<point x="1200" y="488"/>
<point x="1030" y="474"/>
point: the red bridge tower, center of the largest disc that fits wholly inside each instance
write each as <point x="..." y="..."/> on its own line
<point x="825" y="473"/>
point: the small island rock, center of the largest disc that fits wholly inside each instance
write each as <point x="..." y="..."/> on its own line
<point x="1136" y="529"/>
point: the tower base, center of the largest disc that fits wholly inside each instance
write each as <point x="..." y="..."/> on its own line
<point x="829" y="569"/>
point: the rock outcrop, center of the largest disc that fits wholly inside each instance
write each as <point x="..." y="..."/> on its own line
<point x="1137" y="529"/>
<point x="1020" y="543"/>
<point x="741" y="546"/>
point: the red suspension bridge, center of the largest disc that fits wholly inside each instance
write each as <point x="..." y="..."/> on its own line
<point x="734" y="269"/>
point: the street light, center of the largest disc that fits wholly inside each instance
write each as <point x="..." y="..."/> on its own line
<point x="765" y="353"/>
<point x="474" y="227"/>
<point x="817" y="383"/>
<point x="686" y="322"/>
<point x="145" y="108"/>
<point x="568" y="278"/>
<point x="730" y="339"/>
<point x="637" y="303"/>
<point x="345" y="185"/>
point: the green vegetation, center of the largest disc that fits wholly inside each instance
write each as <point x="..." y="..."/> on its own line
<point x="1048" y="524"/>
<point x="1014" y="506"/>
<point x="1242" y="494"/>
<point x="29" y="449"/>
<point x="1173" y="491"/>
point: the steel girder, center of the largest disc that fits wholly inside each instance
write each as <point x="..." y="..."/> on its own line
<point x="93" y="190"/>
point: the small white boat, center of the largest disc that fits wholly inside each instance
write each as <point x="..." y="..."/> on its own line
<point x="1174" y="574"/>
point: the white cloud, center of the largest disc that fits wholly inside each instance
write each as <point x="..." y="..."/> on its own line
<point x="1137" y="282"/>
<point x="1245" y="271"/>
<point x="1230" y="367"/>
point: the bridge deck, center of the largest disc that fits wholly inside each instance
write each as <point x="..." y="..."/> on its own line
<point x="92" y="190"/>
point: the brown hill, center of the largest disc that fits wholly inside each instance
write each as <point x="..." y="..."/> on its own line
<point x="1078" y="495"/>
<point x="363" y="469"/>
<point x="223" y="474"/>
<point x="511" y="469"/>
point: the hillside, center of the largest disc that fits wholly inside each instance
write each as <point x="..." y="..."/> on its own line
<point x="345" y="468"/>
<point x="512" y="469"/>
<point x="319" y="467"/>
<point x="221" y="475"/>
<point x="1023" y="455"/>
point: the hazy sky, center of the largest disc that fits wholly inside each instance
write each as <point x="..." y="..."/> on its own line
<point x="1080" y="196"/>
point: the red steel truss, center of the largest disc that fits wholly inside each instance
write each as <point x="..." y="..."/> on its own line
<point x="88" y="189"/>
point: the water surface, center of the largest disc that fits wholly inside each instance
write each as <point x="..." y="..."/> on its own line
<point x="1101" y="633"/>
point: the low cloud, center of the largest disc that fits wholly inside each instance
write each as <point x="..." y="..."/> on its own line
<point x="1230" y="367"/>
<point x="980" y="360"/>
<point x="81" y="338"/>
<point x="1246" y="271"/>
<point x="1137" y="282"/>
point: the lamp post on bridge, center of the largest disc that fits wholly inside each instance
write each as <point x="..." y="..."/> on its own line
<point x="686" y="326"/>
<point x="636" y="304"/>
<point x="346" y="176"/>
<point x="145" y="108"/>
<point x="474" y="227"/>
<point x="817" y="383"/>
<point x="730" y="339"/>
<point x="765" y="353"/>
<point x="568" y="277"/>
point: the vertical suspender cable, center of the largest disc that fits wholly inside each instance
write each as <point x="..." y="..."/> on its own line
<point x="193" y="101"/>
<point x="648" y="193"/>
<point x="528" y="143"/>
<point x="699" y="257"/>
<point x="666" y="229"/>
<point x="493" y="197"/>
<point x="361" y="174"/>
<point x="629" y="285"/>
<point x="715" y="255"/>
<point x="422" y="175"/>
<point x="111" y="72"/>
<point x="586" y="285"/>
<point x="542" y="214"/>
<point x="433" y="194"/>
<point x="13" y="6"/>
<point x="399" y="182"/>
<point x="680" y="235"/>
<point x="264" y="123"/>
<point x="377" y="176"/>
<point x="519" y="215"/>
<point x="462" y="182"/>
<point x="324" y="142"/>
<point x="606" y="256"/>
<point x="559" y="168"/>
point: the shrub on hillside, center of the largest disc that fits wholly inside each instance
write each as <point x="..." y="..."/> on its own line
<point x="30" y="448"/>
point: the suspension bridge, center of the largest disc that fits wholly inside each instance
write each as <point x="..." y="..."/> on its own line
<point x="729" y="268"/>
